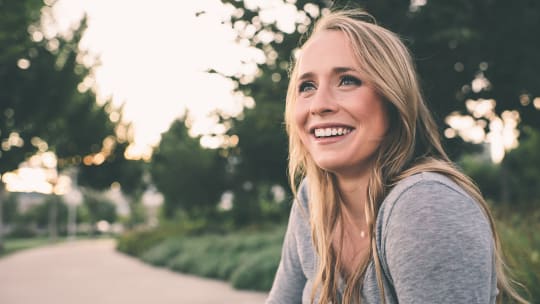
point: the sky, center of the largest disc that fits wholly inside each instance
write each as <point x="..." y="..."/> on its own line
<point x="154" y="57"/>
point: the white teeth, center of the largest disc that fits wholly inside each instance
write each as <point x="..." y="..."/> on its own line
<point x="326" y="132"/>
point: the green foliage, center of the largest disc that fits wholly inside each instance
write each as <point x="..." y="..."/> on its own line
<point x="9" y="208"/>
<point x="262" y="149"/>
<point x="161" y="254"/>
<point x="40" y="98"/>
<point x="135" y="242"/>
<point x="514" y="182"/>
<point x="202" y="258"/>
<point x="485" y="173"/>
<point x="248" y="259"/>
<point x="471" y="33"/>
<point x="13" y="245"/>
<point x="190" y="177"/>
<point x="15" y="43"/>
<point x="521" y="171"/>
<point x="44" y="105"/>
<point x="22" y="232"/>
<point x="137" y="215"/>
<point x="98" y="207"/>
<point x="40" y="214"/>
<point x="116" y="168"/>
<point x="521" y="244"/>
<point x="258" y="270"/>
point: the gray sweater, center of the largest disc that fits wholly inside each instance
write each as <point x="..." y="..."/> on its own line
<point x="435" y="246"/>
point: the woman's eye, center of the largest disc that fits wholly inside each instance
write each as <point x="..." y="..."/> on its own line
<point x="350" y="80"/>
<point x="306" y="86"/>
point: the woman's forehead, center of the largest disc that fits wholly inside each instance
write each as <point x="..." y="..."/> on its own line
<point x="326" y="50"/>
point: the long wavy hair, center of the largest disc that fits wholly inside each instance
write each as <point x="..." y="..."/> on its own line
<point x="412" y="145"/>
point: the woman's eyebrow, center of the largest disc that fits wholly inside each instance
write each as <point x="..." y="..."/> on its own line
<point x="339" y="70"/>
<point x="336" y="70"/>
<point x="307" y="75"/>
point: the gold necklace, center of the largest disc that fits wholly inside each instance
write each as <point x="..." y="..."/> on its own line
<point x="352" y="223"/>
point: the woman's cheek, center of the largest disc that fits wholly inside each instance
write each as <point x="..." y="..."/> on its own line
<point x="301" y="115"/>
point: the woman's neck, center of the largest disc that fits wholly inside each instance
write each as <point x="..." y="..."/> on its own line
<point x="353" y="192"/>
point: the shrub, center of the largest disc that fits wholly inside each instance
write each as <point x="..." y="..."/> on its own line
<point x="248" y="259"/>
<point x="135" y="243"/>
<point x="22" y="232"/>
<point x="521" y="244"/>
<point x="160" y="254"/>
<point x="257" y="270"/>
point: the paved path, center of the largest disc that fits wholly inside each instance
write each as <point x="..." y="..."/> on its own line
<point x="92" y="272"/>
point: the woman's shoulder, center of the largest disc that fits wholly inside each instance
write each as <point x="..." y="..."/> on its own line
<point x="432" y="196"/>
<point x="421" y="181"/>
<point x="423" y="186"/>
<point x="427" y="192"/>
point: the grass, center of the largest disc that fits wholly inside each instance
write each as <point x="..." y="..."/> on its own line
<point x="14" y="245"/>
<point x="521" y="244"/>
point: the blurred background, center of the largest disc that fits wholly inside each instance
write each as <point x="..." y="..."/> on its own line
<point x="161" y="123"/>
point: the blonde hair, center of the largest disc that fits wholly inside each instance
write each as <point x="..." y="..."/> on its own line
<point x="412" y="145"/>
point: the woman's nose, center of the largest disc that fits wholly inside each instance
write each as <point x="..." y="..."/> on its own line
<point x="323" y="102"/>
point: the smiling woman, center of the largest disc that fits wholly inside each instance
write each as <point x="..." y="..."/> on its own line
<point x="332" y="99"/>
<point x="382" y="214"/>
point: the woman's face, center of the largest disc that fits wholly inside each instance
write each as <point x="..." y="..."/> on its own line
<point x="340" y="117"/>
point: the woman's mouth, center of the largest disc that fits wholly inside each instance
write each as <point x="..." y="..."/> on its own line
<point x="331" y="132"/>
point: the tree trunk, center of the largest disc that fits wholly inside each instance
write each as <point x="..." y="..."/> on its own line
<point x="505" y="189"/>
<point x="53" y="229"/>
<point x="72" y="221"/>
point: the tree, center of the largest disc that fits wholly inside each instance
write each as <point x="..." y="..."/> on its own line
<point x="520" y="175"/>
<point x="16" y="45"/>
<point x="190" y="177"/>
<point x="99" y="208"/>
<point x="16" y="128"/>
<point x="41" y="214"/>
<point x="44" y="102"/>
<point x="128" y="173"/>
<point x="454" y="44"/>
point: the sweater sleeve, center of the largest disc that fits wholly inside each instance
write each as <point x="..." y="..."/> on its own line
<point x="438" y="247"/>
<point x="290" y="280"/>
